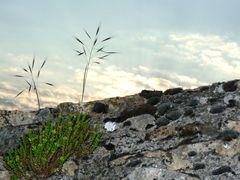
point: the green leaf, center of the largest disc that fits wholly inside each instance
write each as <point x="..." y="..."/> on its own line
<point x="95" y="41"/>
<point x="100" y="49"/>
<point x="80" y="53"/>
<point x="25" y="69"/>
<point x="106" y="39"/>
<point x="18" y="75"/>
<point x="79" y="40"/>
<point x="19" y="93"/>
<point x="33" y="62"/>
<point x="98" y="29"/>
<point x="49" y="84"/>
<point x="87" y="34"/>
<point x="103" y="57"/>
<point x="43" y="64"/>
<point x="29" y="67"/>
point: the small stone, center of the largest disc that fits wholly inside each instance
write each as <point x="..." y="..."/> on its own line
<point x="163" y="108"/>
<point x="162" y="121"/>
<point x="134" y="163"/>
<point x="217" y="109"/>
<point x="109" y="146"/>
<point x="231" y="103"/>
<point x="142" y="109"/>
<point x="173" y="115"/>
<point x="173" y="91"/>
<point x="4" y="175"/>
<point x="127" y="123"/>
<point x="203" y="88"/>
<point x="148" y="94"/>
<point x="100" y="108"/>
<point x="198" y="166"/>
<point x="230" y="86"/>
<point x="188" y="112"/>
<point x="69" y="168"/>
<point x="153" y="100"/>
<point x="178" y="101"/>
<point x="141" y="122"/>
<point x="193" y="102"/>
<point x="192" y="153"/>
<point x="212" y="100"/>
<point x="221" y="170"/>
<point x="228" y="135"/>
<point x="110" y="126"/>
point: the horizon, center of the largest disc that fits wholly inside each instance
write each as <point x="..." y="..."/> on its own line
<point x="161" y="45"/>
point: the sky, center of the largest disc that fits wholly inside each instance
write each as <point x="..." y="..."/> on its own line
<point x="161" y="44"/>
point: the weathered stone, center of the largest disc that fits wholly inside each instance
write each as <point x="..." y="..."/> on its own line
<point x="173" y="115"/>
<point x="141" y="122"/>
<point x="163" y="108"/>
<point x="198" y="166"/>
<point x="222" y="170"/>
<point x="204" y="143"/>
<point x="69" y="108"/>
<point x="230" y="86"/>
<point x="162" y="132"/>
<point x="217" y="109"/>
<point x="173" y="91"/>
<point x="153" y="100"/>
<point x="5" y="175"/>
<point x="228" y="135"/>
<point x="188" y="112"/>
<point x="16" y="118"/>
<point x="69" y="168"/>
<point x="148" y="94"/>
<point x="229" y="149"/>
<point x="143" y="173"/>
<point x="193" y="102"/>
<point x="192" y="153"/>
<point x="143" y="109"/>
<point x="100" y="108"/>
<point x="162" y="121"/>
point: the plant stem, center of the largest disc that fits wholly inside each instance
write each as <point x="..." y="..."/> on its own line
<point x="85" y="72"/>
<point x="36" y="91"/>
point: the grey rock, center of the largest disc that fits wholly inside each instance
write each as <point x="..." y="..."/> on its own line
<point x="198" y="166"/>
<point x="173" y="91"/>
<point x="173" y="115"/>
<point x="100" y="108"/>
<point x="162" y="121"/>
<point x="148" y="94"/>
<point x="140" y="123"/>
<point x="217" y="109"/>
<point x="228" y="135"/>
<point x="188" y="112"/>
<point x="152" y="141"/>
<point x="163" y="108"/>
<point x="230" y="86"/>
<point x="153" y="100"/>
<point x="193" y="102"/>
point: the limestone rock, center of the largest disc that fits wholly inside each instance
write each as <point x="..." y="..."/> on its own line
<point x="178" y="134"/>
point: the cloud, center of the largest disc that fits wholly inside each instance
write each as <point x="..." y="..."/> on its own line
<point x="155" y="62"/>
<point x="206" y="57"/>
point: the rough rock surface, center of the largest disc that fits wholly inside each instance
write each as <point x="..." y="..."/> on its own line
<point x="176" y="134"/>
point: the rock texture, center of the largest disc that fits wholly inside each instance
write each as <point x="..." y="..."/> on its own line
<point x="176" y="134"/>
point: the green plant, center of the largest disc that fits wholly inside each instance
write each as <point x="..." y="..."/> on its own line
<point x="96" y="51"/>
<point x="32" y="82"/>
<point x="44" y="151"/>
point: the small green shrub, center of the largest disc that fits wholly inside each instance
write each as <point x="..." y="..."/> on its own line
<point x="44" y="151"/>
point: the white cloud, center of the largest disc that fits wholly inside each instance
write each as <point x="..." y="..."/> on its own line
<point x="187" y="60"/>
